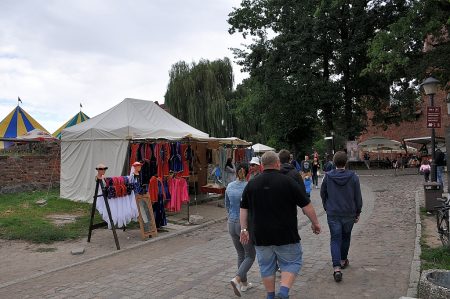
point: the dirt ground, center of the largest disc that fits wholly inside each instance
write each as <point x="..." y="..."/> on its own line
<point x="429" y="231"/>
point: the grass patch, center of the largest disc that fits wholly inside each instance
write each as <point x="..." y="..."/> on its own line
<point x="22" y="219"/>
<point x="435" y="258"/>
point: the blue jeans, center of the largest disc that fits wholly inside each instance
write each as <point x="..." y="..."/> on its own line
<point x="341" y="232"/>
<point x="440" y="170"/>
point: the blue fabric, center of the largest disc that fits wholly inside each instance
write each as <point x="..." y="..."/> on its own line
<point x="270" y="295"/>
<point x="440" y="170"/>
<point x="233" y="195"/>
<point x="284" y="292"/>
<point x="308" y="183"/>
<point x="340" y="232"/>
<point x="288" y="257"/>
<point x="329" y="166"/>
<point x="341" y="193"/>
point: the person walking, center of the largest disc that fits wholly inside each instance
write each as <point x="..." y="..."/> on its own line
<point x="305" y="166"/>
<point x="440" y="164"/>
<point x="329" y="165"/>
<point x="287" y="167"/>
<point x="268" y="217"/>
<point x="255" y="168"/>
<point x="315" y="172"/>
<point x="245" y="252"/>
<point x="425" y="169"/>
<point x="229" y="172"/>
<point x="342" y="201"/>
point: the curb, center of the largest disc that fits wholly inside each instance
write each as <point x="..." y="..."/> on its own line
<point x="414" y="276"/>
<point x="116" y="252"/>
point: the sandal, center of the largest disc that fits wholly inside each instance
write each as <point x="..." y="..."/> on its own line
<point x="337" y="276"/>
<point x="345" y="264"/>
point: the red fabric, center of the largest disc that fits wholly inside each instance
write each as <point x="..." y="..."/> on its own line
<point x="239" y="155"/>
<point x="153" y="189"/>
<point x="185" y="162"/>
<point x="134" y="149"/>
<point x="162" y="162"/>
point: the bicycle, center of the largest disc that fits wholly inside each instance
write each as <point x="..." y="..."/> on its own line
<point x="442" y="221"/>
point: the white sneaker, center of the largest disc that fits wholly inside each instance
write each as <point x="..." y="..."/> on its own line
<point x="236" y="287"/>
<point x="244" y="288"/>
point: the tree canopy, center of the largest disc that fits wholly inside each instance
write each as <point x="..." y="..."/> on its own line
<point x="197" y="94"/>
<point x="320" y="65"/>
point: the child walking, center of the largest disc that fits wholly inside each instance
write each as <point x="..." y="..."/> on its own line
<point x="425" y="169"/>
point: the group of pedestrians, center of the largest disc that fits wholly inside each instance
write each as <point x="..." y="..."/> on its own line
<point x="262" y="219"/>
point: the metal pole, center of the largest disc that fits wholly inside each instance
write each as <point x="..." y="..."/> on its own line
<point x="433" y="147"/>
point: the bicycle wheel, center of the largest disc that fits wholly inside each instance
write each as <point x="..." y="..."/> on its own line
<point x="443" y="227"/>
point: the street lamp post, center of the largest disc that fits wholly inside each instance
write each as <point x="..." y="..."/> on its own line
<point x="332" y="142"/>
<point x="430" y="86"/>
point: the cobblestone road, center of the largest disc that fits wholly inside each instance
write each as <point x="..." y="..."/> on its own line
<point x="201" y="263"/>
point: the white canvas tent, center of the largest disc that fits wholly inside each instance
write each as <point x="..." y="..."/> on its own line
<point x="261" y="148"/>
<point x="105" y="138"/>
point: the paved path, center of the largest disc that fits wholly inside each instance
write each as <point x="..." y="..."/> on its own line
<point x="201" y="263"/>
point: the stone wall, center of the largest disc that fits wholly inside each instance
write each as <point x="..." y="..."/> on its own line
<point x="30" y="167"/>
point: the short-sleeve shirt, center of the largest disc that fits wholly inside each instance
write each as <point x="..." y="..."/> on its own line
<point x="271" y="199"/>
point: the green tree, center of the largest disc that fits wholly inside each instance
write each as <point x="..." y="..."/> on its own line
<point x="397" y="53"/>
<point x="310" y="56"/>
<point x="198" y="95"/>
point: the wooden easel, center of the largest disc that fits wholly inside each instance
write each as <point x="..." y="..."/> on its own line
<point x="92" y="226"/>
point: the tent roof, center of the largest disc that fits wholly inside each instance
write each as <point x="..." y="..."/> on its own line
<point x="76" y="119"/>
<point x="36" y="134"/>
<point x="259" y="148"/>
<point x="17" y="123"/>
<point x="132" y="119"/>
<point x="424" y="140"/>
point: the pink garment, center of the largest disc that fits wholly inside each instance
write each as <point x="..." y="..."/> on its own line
<point x="425" y="168"/>
<point x="178" y="194"/>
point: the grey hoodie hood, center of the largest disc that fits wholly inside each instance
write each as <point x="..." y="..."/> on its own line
<point x="340" y="176"/>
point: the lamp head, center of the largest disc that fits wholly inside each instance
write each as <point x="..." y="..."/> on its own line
<point x="430" y="85"/>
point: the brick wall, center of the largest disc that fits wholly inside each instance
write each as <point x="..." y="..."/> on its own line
<point x="30" y="171"/>
<point x="413" y="129"/>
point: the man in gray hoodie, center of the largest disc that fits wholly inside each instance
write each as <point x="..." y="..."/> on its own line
<point x="342" y="201"/>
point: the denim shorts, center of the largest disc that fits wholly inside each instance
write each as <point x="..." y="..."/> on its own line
<point x="288" y="257"/>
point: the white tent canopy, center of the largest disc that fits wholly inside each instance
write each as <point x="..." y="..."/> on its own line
<point x="105" y="138"/>
<point x="36" y="134"/>
<point x="261" y="148"/>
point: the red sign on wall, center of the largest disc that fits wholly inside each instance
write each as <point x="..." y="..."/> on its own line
<point x="433" y="117"/>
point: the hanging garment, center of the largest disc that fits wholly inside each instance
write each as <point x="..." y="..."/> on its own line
<point x="162" y="151"/>
<point x="239" y="155"/>
<point x="123" y="209"/>
<point x="185" y="159"/>
<point x="178" y="189"/>
<point x="133" y="154"/>
<point x="158" y="207"/>
<point x="176" y="164"/>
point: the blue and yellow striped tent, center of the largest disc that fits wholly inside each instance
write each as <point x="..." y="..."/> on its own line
<point x="17" y="123"/>
<point x="78" y="118"/>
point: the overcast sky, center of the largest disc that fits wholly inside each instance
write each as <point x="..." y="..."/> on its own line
<point x="56" y="54"/>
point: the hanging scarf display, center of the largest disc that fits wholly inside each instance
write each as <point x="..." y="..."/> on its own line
<point x="122" y="203"/>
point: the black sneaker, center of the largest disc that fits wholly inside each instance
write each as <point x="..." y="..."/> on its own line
<point x="279" y="296"/>
<point x="337" y="276"/>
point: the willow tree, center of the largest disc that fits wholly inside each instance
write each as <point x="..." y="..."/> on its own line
<point x="198" y="94"/>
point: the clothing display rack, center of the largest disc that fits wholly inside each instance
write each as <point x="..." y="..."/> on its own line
<point x="92" y="226"/>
